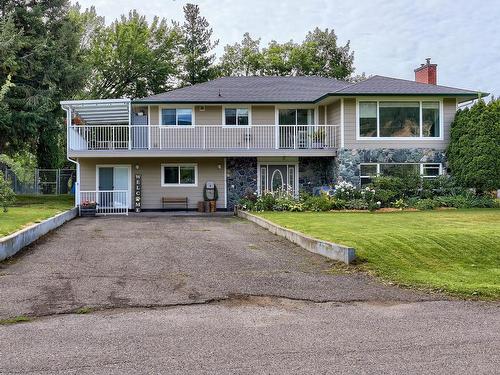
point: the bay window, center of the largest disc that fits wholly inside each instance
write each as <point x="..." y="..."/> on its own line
<point x="177" y="116"/>
<point x="399" y="119"/>
<point x="236" y="116"/>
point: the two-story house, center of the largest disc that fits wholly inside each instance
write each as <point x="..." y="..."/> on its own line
<point x="256" y="134"/>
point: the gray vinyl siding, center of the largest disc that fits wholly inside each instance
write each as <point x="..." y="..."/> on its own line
<point x="333" y="113"/>
<point x="154" y="114"/>
<point x="212" y="115"/>
<point x="263" y="115"/>
<point x="350" y="142"/>
<point x="150" y="169"/>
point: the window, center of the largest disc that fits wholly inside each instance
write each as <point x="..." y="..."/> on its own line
<point x="431" y="170"/>
<point x="367" y="172"/>
<point x="430" y="119"/>
<point x="236" y="116"/>
<point x="296" y="116"/>
<point x="425" y="170"/>
<point x="179" y="174"/>
<point x="176" y="116"/>
<point x="368" y="119"/>
<point x="399" y="119"/>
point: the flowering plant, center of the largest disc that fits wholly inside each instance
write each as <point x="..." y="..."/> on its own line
<point x="88" y="204"/>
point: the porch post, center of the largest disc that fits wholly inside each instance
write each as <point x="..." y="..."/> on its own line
<point x="130" y="125"/>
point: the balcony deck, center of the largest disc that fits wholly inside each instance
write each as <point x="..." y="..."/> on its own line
<point x="209" y="140"/>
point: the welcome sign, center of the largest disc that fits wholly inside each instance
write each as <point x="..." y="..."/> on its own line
<point x="138" y="193"/>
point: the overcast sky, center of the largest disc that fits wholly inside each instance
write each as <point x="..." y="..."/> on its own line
<point x="388" y="37"/>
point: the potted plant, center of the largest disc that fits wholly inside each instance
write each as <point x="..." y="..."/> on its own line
<point x="88" y="208"/>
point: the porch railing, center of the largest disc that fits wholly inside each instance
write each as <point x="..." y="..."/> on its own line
<point x="108" y="202"/>
<point x="159" y="137"/>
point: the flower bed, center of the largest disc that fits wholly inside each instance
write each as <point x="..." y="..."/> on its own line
<point x="410" y="192"/>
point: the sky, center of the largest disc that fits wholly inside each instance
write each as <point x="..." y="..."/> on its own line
<point x="388" y="37"/>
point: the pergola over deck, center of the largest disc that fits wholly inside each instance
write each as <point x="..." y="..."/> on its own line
<point x="99" y="112"/>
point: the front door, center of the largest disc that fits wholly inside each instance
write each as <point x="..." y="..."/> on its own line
<point x="113" y="184"/>
<point x="274" y="178"/>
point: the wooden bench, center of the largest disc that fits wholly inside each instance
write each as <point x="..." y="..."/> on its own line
<point x="165" y="201"/>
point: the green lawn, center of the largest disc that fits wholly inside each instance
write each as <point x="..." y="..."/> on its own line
<point x="457" y="251"/>
<point x="32" y="209"/>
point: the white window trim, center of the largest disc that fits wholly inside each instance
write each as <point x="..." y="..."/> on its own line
<point x="421" y="169"/>
<point x="288" y="164"/>
<point x="236" y="106"/>
<point x="397" y="99"/>
<point x="129" y="186"/>
<point x="173" y="106"/>
<point x="195" y="165"/>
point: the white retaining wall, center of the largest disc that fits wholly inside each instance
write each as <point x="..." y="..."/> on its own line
<point x="328" y="249"/>
<point x="14" y="242"/>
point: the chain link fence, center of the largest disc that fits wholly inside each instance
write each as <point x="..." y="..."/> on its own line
<point x="45" y="181"/>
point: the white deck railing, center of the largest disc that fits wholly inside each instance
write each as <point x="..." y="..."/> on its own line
<point x="159" y="137"/>
<point x="108" y="202"/>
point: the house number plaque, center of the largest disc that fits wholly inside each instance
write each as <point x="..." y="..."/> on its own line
<point x="138" y="192"/>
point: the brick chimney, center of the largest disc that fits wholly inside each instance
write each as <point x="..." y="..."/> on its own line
<point x="426" y="73"/>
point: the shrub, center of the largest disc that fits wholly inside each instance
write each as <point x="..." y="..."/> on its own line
<point x="7" y="196"/>
<point x="265" y="202"/>
<point x="357" y="204"/>
<point x="425" y="204"/>
<point x="346" y="191"/>
<point x="466" y="201"/>
<point x="322" y="202"/>
<point x="474" y="148"/>
<point x="391" y="188"/>
<point x="400" y="203"/>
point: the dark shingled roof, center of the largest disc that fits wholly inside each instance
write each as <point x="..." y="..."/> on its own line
<point x="296" y="90"/>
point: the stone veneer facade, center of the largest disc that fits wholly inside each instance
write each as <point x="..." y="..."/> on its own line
<point x="241" y="179"/>
<point x="241" y="172"/>
<point x="348" y="160"/>
<point x="316" y="171"/>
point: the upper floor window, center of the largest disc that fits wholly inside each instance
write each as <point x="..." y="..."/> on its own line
<point x="176" y="116"/>
<point x="296" y="116"/>
<point x="236" y="116"/>
<point x="392" y="119"/>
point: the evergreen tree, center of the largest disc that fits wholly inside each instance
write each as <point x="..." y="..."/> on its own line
<point x="197" y="47"/>
<point x="44" y="66"/>
<point x="474" y="150"/>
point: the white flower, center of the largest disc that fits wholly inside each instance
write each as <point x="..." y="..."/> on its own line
<point x="379" y="203"/>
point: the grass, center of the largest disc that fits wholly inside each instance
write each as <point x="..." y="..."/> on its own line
<point x="456" y="251"/>
<point x="84" y="310"/>
<point x="15" y="320"/>
<point x="32" y="209"/>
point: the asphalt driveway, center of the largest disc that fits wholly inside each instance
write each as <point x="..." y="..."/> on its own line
<point x="221" y="296"/>
<point x="139" y="261"/>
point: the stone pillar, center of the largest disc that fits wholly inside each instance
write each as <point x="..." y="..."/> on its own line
<point x="241" y="179"/>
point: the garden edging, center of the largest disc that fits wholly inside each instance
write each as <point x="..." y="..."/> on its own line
<point x="14" y="242"/>
<point x="328" y="249"/>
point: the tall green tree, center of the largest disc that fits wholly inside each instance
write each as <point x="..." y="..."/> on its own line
<point x="197" y="47"/>
<point x="319" y="54"/>
<point x="132" y="58"/>
<point x="44" y="67"/>
<point x="474" y="150"/>
<point x="242" y="59"/>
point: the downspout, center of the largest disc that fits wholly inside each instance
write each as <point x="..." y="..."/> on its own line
<point x="77" y="183"/>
